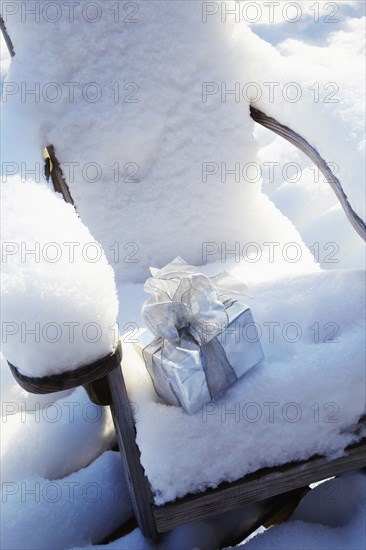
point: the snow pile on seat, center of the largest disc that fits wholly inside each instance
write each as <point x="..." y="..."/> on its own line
<point x="305" y="398"/>
<point x="59" y="300"/>
<point x="158" y="162"/>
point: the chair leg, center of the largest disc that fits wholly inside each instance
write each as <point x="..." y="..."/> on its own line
<point x="126" y="437"/>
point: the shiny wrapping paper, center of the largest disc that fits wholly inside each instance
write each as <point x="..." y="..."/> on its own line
<point x="201" y="338"/>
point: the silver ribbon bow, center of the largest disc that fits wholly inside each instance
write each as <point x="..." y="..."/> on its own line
<point x="187" y="310"/>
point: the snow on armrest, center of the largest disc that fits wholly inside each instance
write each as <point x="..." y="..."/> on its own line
<point x="60" y="302"/>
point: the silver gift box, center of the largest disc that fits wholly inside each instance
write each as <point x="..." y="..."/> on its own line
<point x="197" y="373"/>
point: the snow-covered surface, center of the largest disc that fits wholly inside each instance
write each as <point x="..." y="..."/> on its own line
<point x="58" y="514"/>
<point x="324" y="96"/>
<point x="161" y="120"/>
<point x="168" y="134"/>
<point x="55" y="475"/>
<point x="294" y="404"/>
<point x="59" y="302"/>
<point x="332" y="121"/>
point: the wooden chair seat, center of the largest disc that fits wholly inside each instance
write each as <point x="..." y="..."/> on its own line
<point x="258" y="486"/>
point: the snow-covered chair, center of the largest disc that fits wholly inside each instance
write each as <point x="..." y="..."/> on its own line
<point x="167" y="208"/>
<point x="105" y="384"/>
<point x="262" y="484"/>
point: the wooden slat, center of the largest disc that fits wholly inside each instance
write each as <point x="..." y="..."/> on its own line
<point x="310" y="151"/>
<point x="58" y="179"/>
<point x="126" y="437"/>
<point x="256" y="487"/>
<point x="9" y="43"/>
<point x="80" y="376"/>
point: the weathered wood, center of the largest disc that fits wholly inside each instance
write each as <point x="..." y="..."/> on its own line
<point x="253" y="488"/>
<point x="252" y="516"/>
<point x="135" y="474"/>
<point x="8" y="42"/>
<point x="72" y="378"/>
<point x="99" y="391"/>
<point x="256" y="487"/>
<point x="310" y="151"/>
<point x="58" y="179"/>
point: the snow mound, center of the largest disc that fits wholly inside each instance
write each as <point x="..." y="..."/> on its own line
<point x="158" y="163"/>
<point x="59" y="303"/>
<point x="303" y="399"/>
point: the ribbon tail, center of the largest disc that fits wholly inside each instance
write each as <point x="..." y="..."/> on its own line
<point x="219" y="373"/>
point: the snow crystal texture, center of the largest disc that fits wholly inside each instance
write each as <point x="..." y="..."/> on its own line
<point x="59" y="301"/>
<point x="305" y="398"/>
<point x="147" y="161"/>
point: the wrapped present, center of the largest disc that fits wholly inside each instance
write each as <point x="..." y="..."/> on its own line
<point x="201" y="337"/>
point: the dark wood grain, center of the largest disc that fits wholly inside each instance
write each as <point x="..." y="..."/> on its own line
<point x="8" y="42"/>
<point x="99" y="391"/>
<point x="69" y="379"/>
<point x="58" y="179"/>
<point x="310" y="151"/>
<point x="135" y="474"/>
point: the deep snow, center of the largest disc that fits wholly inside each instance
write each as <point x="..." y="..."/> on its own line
<point x="66" y="435"/>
